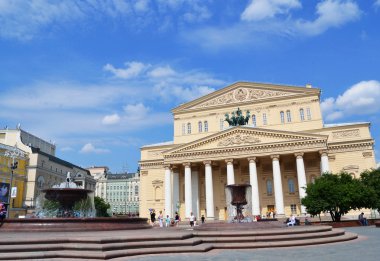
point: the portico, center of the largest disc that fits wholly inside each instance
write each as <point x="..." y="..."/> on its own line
<point x="272" y="176"/>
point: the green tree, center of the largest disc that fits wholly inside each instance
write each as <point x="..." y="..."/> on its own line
<point x="101" y="207"/>
<point x="337" y="194"/>
<point x="371" y="179"/>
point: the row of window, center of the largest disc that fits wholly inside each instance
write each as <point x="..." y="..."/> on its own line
<point x="203" y="127"/>
<point x="291" y="187"/>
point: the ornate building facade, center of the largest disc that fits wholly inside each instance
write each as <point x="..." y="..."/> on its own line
<point x="284" y="146"/>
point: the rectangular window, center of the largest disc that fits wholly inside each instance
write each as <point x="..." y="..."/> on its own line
<point x="200" y="126"/>
<point x="282" y="117"/>
<point x="308" y="114"/>
<point x="288" y="116"/>
<point x="254" y="120"/>
<point x="189" y="128"/>
<point x="293" y="208"/>
<point x="302" y="115"/>
<point x="206" y="126"/>
<point x="265" y="119"/>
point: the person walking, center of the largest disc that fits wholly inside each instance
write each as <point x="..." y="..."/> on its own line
<point x="176" y="219"/>
<point x="161" y="219"/>
<point x="152" y="217"/>
<point x="192" y="219"/>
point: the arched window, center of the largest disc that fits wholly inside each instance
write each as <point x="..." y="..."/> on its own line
<point x="199" y="126"/>
<point x="206" y="126"/>
<point x="282" y="116"/>
<point x="189" y="128"/>
<point x="269" y="187"/>
<point x="291" y="185"/>
<point x="308" y="114"/>
<point x="254" y="120"/>
<point x="288" y="116"/>
<point x="265" y="119"/>
<point x="302" y="115"/>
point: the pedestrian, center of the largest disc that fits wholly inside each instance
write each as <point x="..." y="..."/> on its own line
<point x="192" y="219"/>
<point x="167" y="221"/>
<point x="161" y="219"/>
<point x="176" y="218"/>
<point x="363" y="221"/>
<point x="153" y="217"/>
<point x="203" y="219"/>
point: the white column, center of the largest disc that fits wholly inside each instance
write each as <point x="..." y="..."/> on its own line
<point x="194" y="193"/>
<point x="301" y="176"/>
<point x="230" y="172"/>
<point x="175" y="190"/>
<point x="168" y="192"/>
<point x="324" y="162"/>
<point x="277" y="180"/>
<point x="254" y="186"/>
<point x="188" y="197"/>
<point x="209" y="191"/>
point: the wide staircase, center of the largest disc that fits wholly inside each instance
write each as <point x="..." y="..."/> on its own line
<point x="162" y="241"/>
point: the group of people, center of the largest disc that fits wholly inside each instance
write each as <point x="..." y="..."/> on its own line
<point x="167" y="221"/>
<point x="164" y="221"/>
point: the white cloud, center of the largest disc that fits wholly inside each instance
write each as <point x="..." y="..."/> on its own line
<point x="89" y="148"/>
<point x="133" y="69"/>
<point x="136" y="111"/>
<point x="360" y="99"/>
<point x="67" y="149"/>
<point x="162" y="72"/>
<point x="111" y="119"/>
<point x="331" y="13"/>
<point x="263" y="9"/>
<point x="377" y="3"/>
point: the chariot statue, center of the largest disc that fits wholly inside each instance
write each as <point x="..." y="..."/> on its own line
<point x="237" y="118"/>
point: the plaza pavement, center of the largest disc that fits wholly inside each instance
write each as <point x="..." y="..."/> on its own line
<point x="365" y="248"/>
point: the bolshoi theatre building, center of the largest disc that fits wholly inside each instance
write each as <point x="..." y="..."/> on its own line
<point x="283" y="146"/>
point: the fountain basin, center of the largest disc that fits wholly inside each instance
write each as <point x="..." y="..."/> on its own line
<point x="73" y="224"/>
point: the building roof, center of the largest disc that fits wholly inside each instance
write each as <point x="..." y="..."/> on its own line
<point x="344" y="124"/>
<point x="165" y="143"/>
<point x="58" y="160"/>
<point x="121" y="176"/>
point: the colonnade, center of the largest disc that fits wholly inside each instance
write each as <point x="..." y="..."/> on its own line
<point x="191" y="188"/>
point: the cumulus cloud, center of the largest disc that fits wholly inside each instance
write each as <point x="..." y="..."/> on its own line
<point x="331" y="13"/>
<point x="169" y="83"/>
<point x="111" y="119"/>
<point x="162" y="72"/>
<point x="133" y="69"/>
<point x="89" y="148"/>
<point x="263" y="9"/>
<point x="361" y="98"/>
<point x="24" y="20"/>
<point x="377" y="3"/>
<point x="136" y="111"/>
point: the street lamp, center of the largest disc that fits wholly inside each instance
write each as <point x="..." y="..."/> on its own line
<point x="13" y="154"/>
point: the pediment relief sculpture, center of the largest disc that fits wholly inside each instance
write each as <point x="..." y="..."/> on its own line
<point x="242" y="95"/>
<point x="238" y="139"/>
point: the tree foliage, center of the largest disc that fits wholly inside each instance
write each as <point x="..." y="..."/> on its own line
<point x="371" y="179"/>
<point x="337" y="194"/>
<point x="101" y="207"/>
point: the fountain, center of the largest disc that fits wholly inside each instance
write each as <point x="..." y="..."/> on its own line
<point x="68" y="207"/>
<point x="238" y="202"/>
<point x="66" y="200"/>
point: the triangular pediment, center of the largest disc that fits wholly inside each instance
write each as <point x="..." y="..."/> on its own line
<point x="245" y="92"/>
<point x="242" y="136"/>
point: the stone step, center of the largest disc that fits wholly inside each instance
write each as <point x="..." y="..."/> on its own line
<point x="96" y="255"/>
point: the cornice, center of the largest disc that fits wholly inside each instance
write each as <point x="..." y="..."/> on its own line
<point x="247" y="151"/>
<point x="344" y="147"/>
<point x="151" y="164"/>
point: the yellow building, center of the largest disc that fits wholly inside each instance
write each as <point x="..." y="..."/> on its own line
<point x="13" y="165"/>
<point x="284" y="146"/>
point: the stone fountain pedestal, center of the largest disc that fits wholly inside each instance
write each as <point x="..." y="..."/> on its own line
<point x="238" y="201"/>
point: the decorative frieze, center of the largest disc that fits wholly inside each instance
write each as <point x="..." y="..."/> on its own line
<point x="151" y="164"/>
<point x="351" y="147"/>
<point x="367" y="154"/>
<point x="242" y="95"/>
<point x="238" y="139"/>
<point x="346" y="134"/>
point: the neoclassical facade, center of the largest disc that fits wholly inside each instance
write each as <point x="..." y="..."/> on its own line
<point x="284" y="146"/>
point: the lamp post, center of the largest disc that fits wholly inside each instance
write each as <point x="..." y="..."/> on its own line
<point x="13" y="154"/>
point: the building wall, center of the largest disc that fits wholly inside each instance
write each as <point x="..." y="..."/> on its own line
<point x="349" y="147"/>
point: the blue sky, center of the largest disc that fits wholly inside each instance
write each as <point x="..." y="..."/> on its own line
<point x="100" y="77"/>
